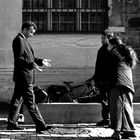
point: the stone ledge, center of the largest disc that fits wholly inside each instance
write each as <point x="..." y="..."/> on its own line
<point x="67" y="113"/>
<point x="71" y="113"/>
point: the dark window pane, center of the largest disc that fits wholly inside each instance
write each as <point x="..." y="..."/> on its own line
<point x="85" y="3"/>
<point x="64" y="4"/>
<point x="93" y="4"/>
<point x="27" y="4"/>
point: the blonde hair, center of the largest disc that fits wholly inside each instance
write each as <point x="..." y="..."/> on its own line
<point x="133" y="57"/>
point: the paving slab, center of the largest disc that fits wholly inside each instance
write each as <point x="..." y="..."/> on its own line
<point x="60" y="132"/>
<point x="79" y="131"/>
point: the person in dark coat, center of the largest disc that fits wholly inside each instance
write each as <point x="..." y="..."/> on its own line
<point x="100" y="77"/>
<point x="25" y="64"/>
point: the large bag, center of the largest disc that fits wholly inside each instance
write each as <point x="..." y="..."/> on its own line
<point x="41" y="95"/>
<point x="58" y="93"/>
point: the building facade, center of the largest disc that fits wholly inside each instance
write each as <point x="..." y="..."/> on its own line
<point x="67" y="15"/>
<point x="73" y="53"/>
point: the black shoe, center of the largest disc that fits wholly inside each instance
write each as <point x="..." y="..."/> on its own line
<point x="38" y="130"/>
<point x="13" y="127"/>
<point x="127" y="135"/>
<point x="103" y="123"/>
<point x="116" y="135"/>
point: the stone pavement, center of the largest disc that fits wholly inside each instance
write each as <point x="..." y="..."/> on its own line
<point x="60" y="132"/>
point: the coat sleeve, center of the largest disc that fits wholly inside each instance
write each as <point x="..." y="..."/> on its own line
<point x="38" y="61"/>
<point x="97" y="63"/>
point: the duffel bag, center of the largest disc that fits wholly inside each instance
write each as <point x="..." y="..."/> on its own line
<point x="40" y="94"/>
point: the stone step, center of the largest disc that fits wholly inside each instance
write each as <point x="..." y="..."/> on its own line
<point x="73" y="113"/>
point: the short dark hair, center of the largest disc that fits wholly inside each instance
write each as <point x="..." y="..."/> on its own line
<point x="29" y="24"/>
<point x="107" y="33"/>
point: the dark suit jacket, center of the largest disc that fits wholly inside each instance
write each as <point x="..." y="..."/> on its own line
<point x="23" y="60"/>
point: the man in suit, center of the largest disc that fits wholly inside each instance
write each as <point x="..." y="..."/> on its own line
<point x="24" y="65"/>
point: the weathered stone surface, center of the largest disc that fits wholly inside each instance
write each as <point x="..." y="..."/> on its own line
<point x="62" y="132"/>
<point x="70" y="113"/>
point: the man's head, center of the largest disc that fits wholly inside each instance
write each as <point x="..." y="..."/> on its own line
<point x="28" y="29"/>
<point x="115" y="41"/>
<point x="106" y="36"/>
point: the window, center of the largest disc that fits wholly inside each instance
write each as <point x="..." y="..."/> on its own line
<point x="67" y="15"/>
<point x="64" y="21"/>
<point x="31" y="4"/>
<point x="66" y="4"/>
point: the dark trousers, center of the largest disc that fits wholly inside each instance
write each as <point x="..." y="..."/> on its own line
<point x="24" y="92"/>
<point x="105" y="103"/>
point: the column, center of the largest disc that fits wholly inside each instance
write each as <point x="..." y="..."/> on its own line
<point x="49" y="15"/>
<point x="10" y="23"/>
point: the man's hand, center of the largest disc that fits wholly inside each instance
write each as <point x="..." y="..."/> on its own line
<point x="46" y="62"/>
<point x="37" y="67"/>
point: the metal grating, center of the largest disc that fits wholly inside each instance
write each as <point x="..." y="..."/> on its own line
<point x="67" y="15"/>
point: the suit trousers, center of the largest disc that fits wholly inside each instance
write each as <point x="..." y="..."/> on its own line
<point x="24" y="92"/>
<point x="104" y="97"/>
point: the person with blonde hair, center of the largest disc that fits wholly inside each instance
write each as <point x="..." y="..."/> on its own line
<point x="123" y="60"/>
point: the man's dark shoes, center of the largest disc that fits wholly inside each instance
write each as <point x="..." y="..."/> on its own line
<point x="45" y="128"/>
<point x="13" y="127"/>
<point x="116" y="135"/>
<point x="103" y="123"/>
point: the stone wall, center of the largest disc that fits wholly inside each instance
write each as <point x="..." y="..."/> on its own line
<point x="116" y="15"/>
<point x="10" y="22"/>
<point x="126" y="14"/>
<point x="73" y="56"/>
